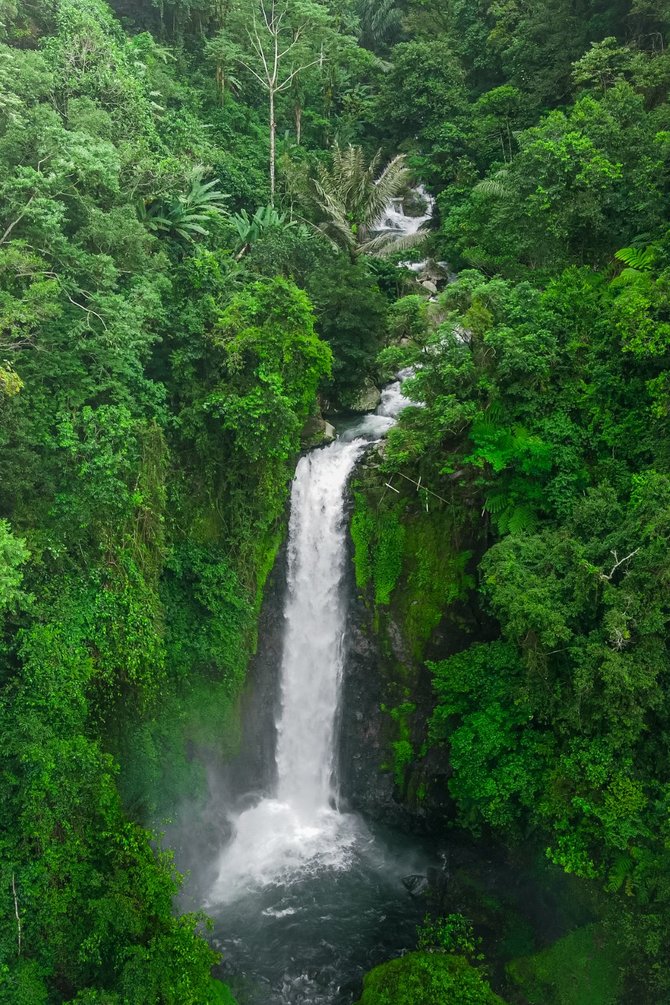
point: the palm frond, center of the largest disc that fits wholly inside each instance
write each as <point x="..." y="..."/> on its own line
<point x="389" y="242"/>
<point x="494" y="186"/>
<point x="351" y="195"/>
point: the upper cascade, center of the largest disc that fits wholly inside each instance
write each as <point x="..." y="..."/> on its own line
<point x="395" y="219"/>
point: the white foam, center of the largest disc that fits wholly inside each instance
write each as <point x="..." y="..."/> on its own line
<point x="299" y="831"/>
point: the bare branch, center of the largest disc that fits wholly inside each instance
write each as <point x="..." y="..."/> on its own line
<point x="421" y="487"/>
<point x="296" y="39"/>
<point x="257" y="45"/>
<point x="16" y="912"/>
<point x="291" y="76"/>
<point x="87" y="310"/>
<point x="21" y="215"/>
<point x="251" y="70"/>
<point x="617" y="562"/>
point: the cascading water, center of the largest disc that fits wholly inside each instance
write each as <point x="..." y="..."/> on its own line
<point x="300" y="827"/>
<point x="303" y="884"/>
<point x="312" y="660"/>
<point x="395" y="219"/>
<point x="309" y="898"/>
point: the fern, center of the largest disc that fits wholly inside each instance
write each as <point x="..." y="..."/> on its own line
<point x="620" y="873"/>
<point x="518" y="520"/>
<point x="494" y="186"/>
<point x="496" y="504"/>
<point x="640" y="259"/>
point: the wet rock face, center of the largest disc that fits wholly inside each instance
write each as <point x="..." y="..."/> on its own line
<point x="316" y="432"/>
<point x="362" y="740"/>
<point x="368" y="782"/>
<point x="387" y="768"/>
<point x="366" y="400"/>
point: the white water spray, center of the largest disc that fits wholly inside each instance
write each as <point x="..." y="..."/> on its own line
<point x="396" y="220"/>
<point x="312" y="662"/>
<point x="300" y="830"/>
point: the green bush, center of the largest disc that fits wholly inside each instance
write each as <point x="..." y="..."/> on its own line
<point x="427" y="979"/>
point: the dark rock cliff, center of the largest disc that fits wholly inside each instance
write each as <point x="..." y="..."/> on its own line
<point x="387" y="769"/>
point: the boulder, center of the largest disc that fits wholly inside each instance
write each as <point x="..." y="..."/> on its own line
<point x="416" y="885"/>
<point x="366" y="400"/>
<point x="317" y="432"/>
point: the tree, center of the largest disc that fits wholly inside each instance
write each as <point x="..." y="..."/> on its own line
<point x="427" y="979"/>
<point x="272" y="363"/>
<point x="381" y="22"/>
<point x="274" y="41"/>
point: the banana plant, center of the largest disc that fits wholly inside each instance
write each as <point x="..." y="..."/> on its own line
<point x="186" y="216"/>
<point x="265" y="219"/>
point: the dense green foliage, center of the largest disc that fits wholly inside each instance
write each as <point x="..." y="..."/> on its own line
<point x="543" y="372"/>
<point x="580" y="969"/>
<point x="165" y="331"/>
<point x="427" y="979"/>
<point x="152" y="397"/>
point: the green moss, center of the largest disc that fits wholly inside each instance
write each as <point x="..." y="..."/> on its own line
<point x="403" y="754"/>
<point x="388" y="557"/>
<point x="403" y="751"/>
<point x="580" y="969"/>
<point x="220" y="994"/>
<point x="411" y="561"/>
<point x="434" y="576"/>
<point x="427" y="979"/>
<point x="379" y="537"/>
<point x="362" y="531"/>
<point x="211" y="618"/>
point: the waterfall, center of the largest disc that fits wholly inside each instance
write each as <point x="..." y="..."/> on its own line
<point x="396" y="220"/>
<point x="312" y="661"/>
<point x="299" y="829"/>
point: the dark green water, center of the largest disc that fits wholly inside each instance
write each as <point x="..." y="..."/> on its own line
<point x="309" y="938"/>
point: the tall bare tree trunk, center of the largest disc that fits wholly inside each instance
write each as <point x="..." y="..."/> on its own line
<point x="273" y="132"/>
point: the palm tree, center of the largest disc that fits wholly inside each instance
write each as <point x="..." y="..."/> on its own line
<point x="350" y="197"/>
<point x="381" y="22"/>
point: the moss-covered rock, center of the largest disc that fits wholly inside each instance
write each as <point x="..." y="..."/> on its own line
<point x="427" y="979"/>
<point x="411" y="564"/>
